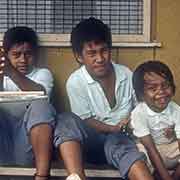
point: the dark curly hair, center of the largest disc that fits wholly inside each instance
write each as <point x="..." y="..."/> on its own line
<point x="150" y="66"/>
<point x="87" y="30"/>
<point x="18" y="35"/>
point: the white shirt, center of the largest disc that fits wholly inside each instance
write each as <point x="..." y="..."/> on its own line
<point x="87" y="98"/>
<point x="39" y="75"/>
<point x="144" y="122"/>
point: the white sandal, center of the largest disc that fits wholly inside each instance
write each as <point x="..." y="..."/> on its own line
<point x="73" y="176"/>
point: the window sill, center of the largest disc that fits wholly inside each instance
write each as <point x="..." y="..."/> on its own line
<point x="63" y="41"/>
<point x="127" y="44"/>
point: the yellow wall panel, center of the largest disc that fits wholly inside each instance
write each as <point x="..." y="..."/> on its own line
<point x="168" y="32"/>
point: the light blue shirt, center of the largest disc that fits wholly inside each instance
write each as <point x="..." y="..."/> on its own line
<point x="39" y="75"/>
<point x="87" y="98"/>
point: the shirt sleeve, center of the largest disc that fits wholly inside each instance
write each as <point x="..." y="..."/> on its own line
<point x="139" y="123"/>
<point x="78" y="98"/>
<point x="45" y="78"/>
<point x="176" y="119"/>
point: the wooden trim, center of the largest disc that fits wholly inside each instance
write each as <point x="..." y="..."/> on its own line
<point x="57" y="43"/>
<point x="147" y="21"/>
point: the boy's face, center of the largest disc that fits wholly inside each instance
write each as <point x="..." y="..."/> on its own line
<point x="96" y="56"/>
<point x="157" y="91"/>
<point x="22" y="57"/>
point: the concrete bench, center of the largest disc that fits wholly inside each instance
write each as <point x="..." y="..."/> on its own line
<point x="91" y="171"/>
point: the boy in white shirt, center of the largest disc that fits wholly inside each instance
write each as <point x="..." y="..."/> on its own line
<point x="26" y="129"/>
<point x="30" y="129"/>
<point x="157" y="117"/>
<point x="101" y="93"/>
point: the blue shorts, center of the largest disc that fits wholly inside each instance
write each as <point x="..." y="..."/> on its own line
<point x="116" y="149"/>
<point x="16" y="120"/>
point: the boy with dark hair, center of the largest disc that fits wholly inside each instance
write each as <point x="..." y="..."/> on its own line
<point x="20" y="46"/>
<point x="19" y="34"/>
<point x="28" y="129"/>
<point x="25" y="132"/>
<point x="156" y="117"/>
<point x="101" y="93"/>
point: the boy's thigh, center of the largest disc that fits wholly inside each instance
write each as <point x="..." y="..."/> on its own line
<point x="121" y="151"/>
<point x="38" y="112"/>
<point x="169" y="152"/>
<point x="14" y="110"/>
<point x="120" y="142"/>
<point x="70" y="127"/>
<point x="94" y="146"/>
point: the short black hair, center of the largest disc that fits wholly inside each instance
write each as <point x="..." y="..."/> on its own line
<point x="87" y="30"/>
<point x="18" y="35"/>
<point x="150" y="66"/>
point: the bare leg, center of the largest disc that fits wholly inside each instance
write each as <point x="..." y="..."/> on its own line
<point x="139" y="171"/>
<point x="41" y="140"/>
<point x="72" y="157"/>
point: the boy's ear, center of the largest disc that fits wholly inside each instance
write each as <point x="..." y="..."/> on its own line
<point x="78" y="58"/>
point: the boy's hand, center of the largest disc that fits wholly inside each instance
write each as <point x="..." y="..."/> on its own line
<point x="119" y="126"/>
<point x="125" y="126"/>
<point x="123" y="123"/>
<point x="169" y="132"/>
<point x="122" y="126"/>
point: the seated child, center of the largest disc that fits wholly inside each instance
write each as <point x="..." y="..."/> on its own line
<point x="101" y="93"/>
<point x="157" y="117"/>
<point x="28" y="129"/>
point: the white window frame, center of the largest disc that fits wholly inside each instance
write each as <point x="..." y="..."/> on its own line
<point x="144" y="40"/>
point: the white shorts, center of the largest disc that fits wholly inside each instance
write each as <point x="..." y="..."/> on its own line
<point x="169" y="152"/>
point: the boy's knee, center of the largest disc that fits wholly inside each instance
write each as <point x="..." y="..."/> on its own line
<point x="41" y="105"/>
<point x="68" y="128"/>
<point x="68" y="120"/>
<point x="68" y="117"/>
<point x="39" y="112"/>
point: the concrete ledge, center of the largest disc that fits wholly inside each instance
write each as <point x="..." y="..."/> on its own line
<point x="20" y="171"/>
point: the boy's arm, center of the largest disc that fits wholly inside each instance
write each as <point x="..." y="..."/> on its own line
<point x="155" y="157"/>
<point x="81" y="105"/>
<point x="23" y="82"/>
<point x="102" y="127"/>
